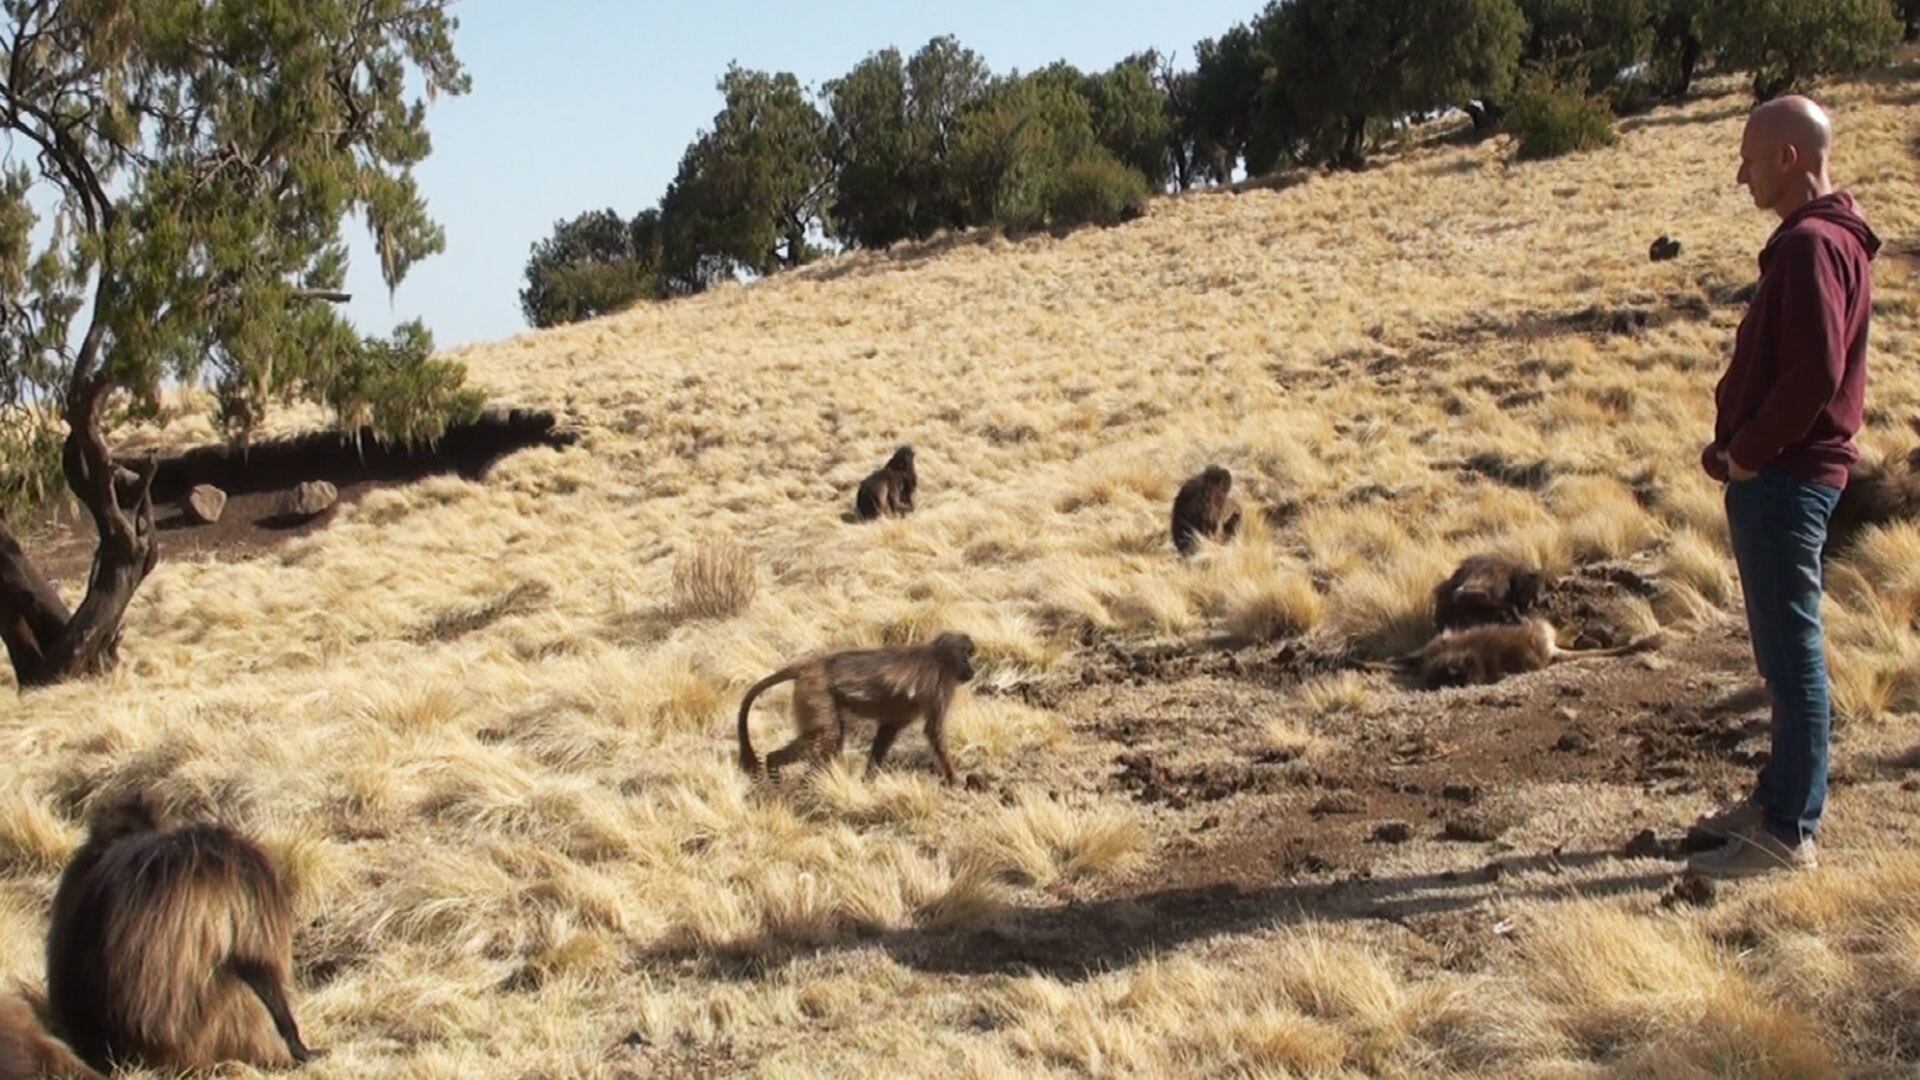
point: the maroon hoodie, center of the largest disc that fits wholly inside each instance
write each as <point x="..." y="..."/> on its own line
<point x="1794" y="394"/>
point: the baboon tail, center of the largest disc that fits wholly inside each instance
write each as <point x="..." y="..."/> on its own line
<point x="264" y="980"/>
<point x="749" y="763"/>
<point x="1647" y="643"/>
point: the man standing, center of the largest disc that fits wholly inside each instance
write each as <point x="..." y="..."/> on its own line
<point x="1788" y="408"/>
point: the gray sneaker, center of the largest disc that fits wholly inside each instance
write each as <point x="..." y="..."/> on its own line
<point x="1753" y="851"/>
<point x="1717" y="827"/>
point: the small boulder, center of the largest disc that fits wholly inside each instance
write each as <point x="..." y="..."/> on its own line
<point x="311" y="499"/>
<point x="205" y="503"/>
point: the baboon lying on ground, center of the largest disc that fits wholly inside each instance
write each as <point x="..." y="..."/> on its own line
<point x="171" y="945"/>
<point x="27" y="1052"/>
<point x="888" y="490"/>
<point x="1205" y="507"/>
<point x="1483" y="655"/>
<point x="892" y="686"/>
<point x="1486" y="590"/>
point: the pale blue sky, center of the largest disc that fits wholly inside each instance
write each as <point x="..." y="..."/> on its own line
<point x="583" y="104"/>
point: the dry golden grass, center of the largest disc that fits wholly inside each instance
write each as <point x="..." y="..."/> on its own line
<point x="482" y="726"/>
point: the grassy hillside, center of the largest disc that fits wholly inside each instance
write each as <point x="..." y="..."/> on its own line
<point x="494" y="747"/>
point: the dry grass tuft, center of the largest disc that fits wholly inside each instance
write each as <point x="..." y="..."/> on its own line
<point x="714" y="580"/>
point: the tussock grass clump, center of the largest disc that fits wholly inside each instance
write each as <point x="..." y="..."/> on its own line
<point x="714" y="580"/>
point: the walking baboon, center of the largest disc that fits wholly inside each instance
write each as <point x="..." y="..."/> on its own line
<point x="27" y="1052"/>
<point x="1486" y="590"/>
<point x="892" y="686"/>
<point x="1205" y="507"/>
<point x="1482" y="655"/>
<point x="888" y="490"/>
<point x="171" y="945"/>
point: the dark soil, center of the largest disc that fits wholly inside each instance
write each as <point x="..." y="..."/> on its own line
<point x="258" y="479"/>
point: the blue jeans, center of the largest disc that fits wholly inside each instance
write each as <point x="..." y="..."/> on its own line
<point x="1779" y="526"/>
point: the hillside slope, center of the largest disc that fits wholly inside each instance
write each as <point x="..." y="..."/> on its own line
<point x="496" y="753"/>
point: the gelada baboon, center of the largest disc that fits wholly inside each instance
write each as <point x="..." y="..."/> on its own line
<point x="1205" y="507"/>
<point x="27" y="1052"/>
<point x="888" y="490"/>
<point x="171" y="945"/>
<point x="892" y="686"/>
<point x="1483" y="655"/>
<point x="1486" y="590"/>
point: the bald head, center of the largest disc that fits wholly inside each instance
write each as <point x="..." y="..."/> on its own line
<point x="1784" y="154"/>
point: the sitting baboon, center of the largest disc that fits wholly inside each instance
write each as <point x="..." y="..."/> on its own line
<point x="893" y="686"/>
<point x="888" y="490"/>
<point x="1664" y="248"/>
<point x="1484" y="590"/>
<point x="1483" y="655"/>
<point x="27" y="1052"/>
<point x="1876" y="494"/>
<point x="171" y="945"/>
<point x="1205" y="508"/>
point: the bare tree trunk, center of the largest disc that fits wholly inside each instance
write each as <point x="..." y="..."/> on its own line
<point x="45" y="642"/>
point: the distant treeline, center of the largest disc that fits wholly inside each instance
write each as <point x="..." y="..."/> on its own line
<point x="902" y="147"/>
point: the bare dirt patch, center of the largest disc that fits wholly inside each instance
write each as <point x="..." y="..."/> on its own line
<point x="258" y="480"/>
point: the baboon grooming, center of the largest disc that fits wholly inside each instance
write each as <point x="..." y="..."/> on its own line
<point x="1486" y="589"/>
<point x="1205" y="507"/>
<point x="27" y="1052"/>
<point x="171" y="945"/>
<point x="1483" y="655"/>
<point x="888" y="490"/>
<point x="892" y="686"/>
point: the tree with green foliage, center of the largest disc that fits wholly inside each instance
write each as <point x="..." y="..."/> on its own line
<point x="1678" y="46"/>
<point x="750" y="191"/>
<point x="1028" y="158"/>
<point x="1131" y="116"/>
<point x="592" y="265"/>
<point x="1786" y="43"/>
<point x="892" y="126"/>
<point x="1607" y="39"/>
<point x="1214" y="114"/>
<point x="199" y="158"/>
<point x="1347" y="63"/>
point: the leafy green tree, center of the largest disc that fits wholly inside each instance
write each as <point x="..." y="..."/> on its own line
<point x="1346" y="63"/>
<point x="1015" y="146"/>
<point x="1131" y="116"/>
<point x="750" y="191"/>
<point x="1786" y="43"/>
<point x="1678" y="47"/>
<point x="893" y="124"/>
<point x="1217" y="103"/>
<point x="1606" y="38"/>
<point x="200" y="157"/>
<point x="592" y="265"/>
<point x="875" y="199"/>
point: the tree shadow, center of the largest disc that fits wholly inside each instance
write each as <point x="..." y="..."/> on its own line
<point x="1684" y="119"/>
<point x="1077" y="940"/>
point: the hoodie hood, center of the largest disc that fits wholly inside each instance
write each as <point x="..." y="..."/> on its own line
<point x="1836" y="210"/>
